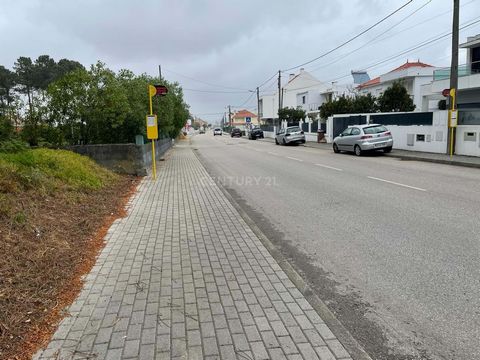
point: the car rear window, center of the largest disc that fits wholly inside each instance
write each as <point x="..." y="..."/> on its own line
<point x="293" y="129"/>
<point x="374" y="129"/>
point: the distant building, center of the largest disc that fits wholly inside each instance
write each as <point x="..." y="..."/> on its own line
<point x="412" y="74"/>
<point x="244" y="118"/>
<point x="304" y="91"/>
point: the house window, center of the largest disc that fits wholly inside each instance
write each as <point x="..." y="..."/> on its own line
<point x="303" y="99"/>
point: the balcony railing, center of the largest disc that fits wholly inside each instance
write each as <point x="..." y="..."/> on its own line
<point x="463" y="70"/>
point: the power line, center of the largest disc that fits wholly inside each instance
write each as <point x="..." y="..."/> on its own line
<point x="205" y="82"/>
<point x="373" y="41"/>
<point x="218" y="91"/>
<point x="351" y="39"/>
<point x="343" y="56"/>
<point x="245" y="102"/>
<point x="422" y="44"/>
<point x="266" y="81"/>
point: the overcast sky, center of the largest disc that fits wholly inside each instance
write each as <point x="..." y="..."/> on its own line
<point x="233" y="44"/>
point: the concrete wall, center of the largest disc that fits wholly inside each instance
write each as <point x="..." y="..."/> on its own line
<point x="124" y="158"/>
<point x="434" y="136"/>
<point x="471" y="146"/>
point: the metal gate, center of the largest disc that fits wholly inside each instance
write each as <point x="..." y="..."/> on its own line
<point x="341" y="123"/>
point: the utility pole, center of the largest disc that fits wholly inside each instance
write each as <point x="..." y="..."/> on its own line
<point x="160" y="71"/>
<point x="453" y="77"/>
<point x="258" y="106"/>
<point x="279" y="94"/>
<point x="229" y="115"/>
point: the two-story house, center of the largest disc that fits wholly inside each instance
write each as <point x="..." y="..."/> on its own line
<point x="302" y="90"/>
<point x="243" y="119"/>
<point x="413" y="75"/>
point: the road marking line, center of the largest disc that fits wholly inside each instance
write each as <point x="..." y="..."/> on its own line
<point x="272" y="153"/>
<point x="395" y="183"/>
<point x="329" y="167"/>
<point x="292" y="158"/>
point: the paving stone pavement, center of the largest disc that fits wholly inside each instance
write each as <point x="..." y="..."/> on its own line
<point x="184" y="277"/>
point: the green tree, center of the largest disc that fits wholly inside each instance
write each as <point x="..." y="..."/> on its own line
<point x="292" y="115"/>
<point x="395" y="98"/>
<point x="364" y="104"/>
<point x="341" y="105"/>
<point x="24" y="70"/>
<point x="7" y="84"/>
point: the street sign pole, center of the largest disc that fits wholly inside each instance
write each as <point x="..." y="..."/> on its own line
<point x="152" y="123"/>
<point x="152" y="128"/>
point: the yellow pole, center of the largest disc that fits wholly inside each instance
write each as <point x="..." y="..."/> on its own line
<point x="151" y="107"/>
<point x="451" y="141"/>
<point x="154" y="165"/>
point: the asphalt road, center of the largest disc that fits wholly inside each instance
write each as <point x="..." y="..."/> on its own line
<point x="392" y="247"/>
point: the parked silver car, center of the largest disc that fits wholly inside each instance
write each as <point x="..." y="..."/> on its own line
<point x="290" y="135"/>
<point x="361" y="138"/>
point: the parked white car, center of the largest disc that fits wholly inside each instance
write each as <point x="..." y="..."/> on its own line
<point x="217" y="131"/>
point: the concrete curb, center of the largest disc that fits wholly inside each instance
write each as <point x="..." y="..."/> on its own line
<point x="408" y="157"/>
<point x="437" y="161"/>
<point x="343" y="335"/>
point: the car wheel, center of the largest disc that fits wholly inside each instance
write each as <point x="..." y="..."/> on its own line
<point x="276" y="141"/>
<point x="358" y="151"/>
<point x="335" y="148"/>
<point x="387" y="150"/>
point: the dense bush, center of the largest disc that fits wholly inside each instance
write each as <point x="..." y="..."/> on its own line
<point x="63" y="103"/>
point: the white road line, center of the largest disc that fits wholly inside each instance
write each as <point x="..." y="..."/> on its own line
<point x="329" y="167"/>
<point x="292" y="158"/>
<point x="395" y="183"/>
<point x="272" y="153"/>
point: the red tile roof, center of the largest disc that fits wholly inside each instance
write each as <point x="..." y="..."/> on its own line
<point x="243" y="114"/>
<point x="369" y="83"/>
<point x="405" y="66"/>
<point x="408" y="65"/>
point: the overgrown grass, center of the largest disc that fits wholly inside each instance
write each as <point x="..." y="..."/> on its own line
<point x="54" y="207"/>
<point x="47" y="169"/>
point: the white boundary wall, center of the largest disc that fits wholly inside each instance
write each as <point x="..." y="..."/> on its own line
<point x="471" y="146"/>
<point x="426" y="138"/>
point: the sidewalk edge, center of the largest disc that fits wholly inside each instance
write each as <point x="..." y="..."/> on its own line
<point x="437" y="161"/>
<point x="343" y="335"/>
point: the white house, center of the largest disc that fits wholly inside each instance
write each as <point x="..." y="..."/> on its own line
<point x="412" y="74"/>
<point x="302" y="90"/>
<point x="468" y="97"/>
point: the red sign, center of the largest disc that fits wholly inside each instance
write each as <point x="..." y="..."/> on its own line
<point x="446" y="92"/>
<point x="161" y="90"/>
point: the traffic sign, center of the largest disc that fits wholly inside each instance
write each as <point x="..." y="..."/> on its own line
<point x="453" y="115"/>
<point x="446" y="92"/>
<point x="152" y="128"/>
<point x="248" y="119"/>
<point x="161" y="90"/>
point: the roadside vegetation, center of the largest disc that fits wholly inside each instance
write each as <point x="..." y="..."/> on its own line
<point x="395" y="98"/>
<point x="55" y="207"/>
<point x="51" y="103"/>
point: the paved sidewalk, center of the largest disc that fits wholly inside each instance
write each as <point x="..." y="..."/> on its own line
<point x="184" y="277"/>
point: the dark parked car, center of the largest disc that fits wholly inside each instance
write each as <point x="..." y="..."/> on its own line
<point x="255" y="133"/>
<point x="236" y="132"/>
